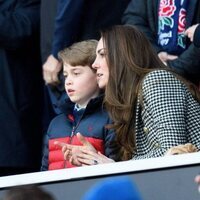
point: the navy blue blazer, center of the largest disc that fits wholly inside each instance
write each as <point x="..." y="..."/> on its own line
<point x="20" y="84"/>
<point x="197" y="37"/>
<point x="47" y="18"/>
<point x="82" y="19"/>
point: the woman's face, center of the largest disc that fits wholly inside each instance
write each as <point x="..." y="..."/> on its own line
<point x="100" y="64"/>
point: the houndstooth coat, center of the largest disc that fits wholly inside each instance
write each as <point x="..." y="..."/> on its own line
<point x="169" y="116"/>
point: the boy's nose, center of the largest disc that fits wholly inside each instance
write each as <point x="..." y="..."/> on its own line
<point x="68" y="82"/>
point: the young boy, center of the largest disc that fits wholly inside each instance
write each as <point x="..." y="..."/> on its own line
<point x="82" y="111"/>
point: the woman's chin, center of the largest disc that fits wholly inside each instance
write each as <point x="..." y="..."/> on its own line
<point x="101" y="85"/>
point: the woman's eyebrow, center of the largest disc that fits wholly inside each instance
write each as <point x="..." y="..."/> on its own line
<point x="100" y="50"/>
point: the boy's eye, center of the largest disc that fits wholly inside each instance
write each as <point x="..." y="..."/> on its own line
<point x="65" y="76"/>
<point x="76" y="73"/>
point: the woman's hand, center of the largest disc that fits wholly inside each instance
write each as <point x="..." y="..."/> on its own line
<point x="181" y="149"/>
<point x="74" y="150"/>
<point x="82" y="155"/>
<point x="88" y="157"/>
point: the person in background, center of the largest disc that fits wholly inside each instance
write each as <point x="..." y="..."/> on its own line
<point x="152" y="108"/>
<point x="20" y="87"/>
<point x="76" y="21"/>
<point x="115" y="189"/>
<point x="164" y="23"/>
<point x="47" y="22"/>
<point x="27" y="193"/>
<point x="197" y="180"/>
<point x="193" y="33"/>
<point x="82" y="112"/>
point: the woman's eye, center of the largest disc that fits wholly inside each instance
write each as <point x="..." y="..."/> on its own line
<point x="102" y="54"/>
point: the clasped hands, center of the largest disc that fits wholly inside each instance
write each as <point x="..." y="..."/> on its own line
<point x="82" y="155"/>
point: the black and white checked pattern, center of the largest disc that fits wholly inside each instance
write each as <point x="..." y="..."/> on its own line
<point x="170" y="115"/>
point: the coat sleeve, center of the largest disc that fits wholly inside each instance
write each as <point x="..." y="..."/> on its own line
<point x="18" y="21"/>
<point x="109" y="136"/>
<point x="45" y="157"/>
<point x="188" y="63"/>
<point x="197" y="37"/>
<point x="164" y="110"/>
<point x="141" y="14"/>
<point x="109" y="150"/>
<point x="66" y="24"/>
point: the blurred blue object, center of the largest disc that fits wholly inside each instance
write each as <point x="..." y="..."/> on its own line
<point x="114" y="189"/>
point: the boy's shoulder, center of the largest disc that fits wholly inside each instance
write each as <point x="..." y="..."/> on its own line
<point x="59" y="126"/>
<point x="96" y="102"/>
<point x="58" y="120"/>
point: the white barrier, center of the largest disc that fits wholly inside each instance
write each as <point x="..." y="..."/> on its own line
<point x="174" y="173"/>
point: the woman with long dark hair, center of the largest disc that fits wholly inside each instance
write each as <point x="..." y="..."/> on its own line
<point x="152" y="108"/>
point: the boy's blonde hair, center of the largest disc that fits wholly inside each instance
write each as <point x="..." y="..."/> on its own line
<point x="80" y="53"/>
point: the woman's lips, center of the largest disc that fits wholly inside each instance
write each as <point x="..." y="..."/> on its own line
<point x="99" y="75"/>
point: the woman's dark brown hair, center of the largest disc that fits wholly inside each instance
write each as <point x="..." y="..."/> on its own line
<point x="130" y="57"/>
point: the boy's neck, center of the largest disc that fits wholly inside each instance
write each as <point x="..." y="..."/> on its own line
<point x="84" y="105"/>
<point x="79" y="107"/>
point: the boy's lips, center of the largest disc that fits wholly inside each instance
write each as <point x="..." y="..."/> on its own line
<point x="70" y="91"/>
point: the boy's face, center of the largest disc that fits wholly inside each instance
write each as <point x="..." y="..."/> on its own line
<point x="80" y="84"/>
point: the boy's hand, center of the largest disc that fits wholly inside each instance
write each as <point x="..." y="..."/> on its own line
<point x="70" y="151"/>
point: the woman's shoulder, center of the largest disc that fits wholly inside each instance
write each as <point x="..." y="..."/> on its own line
<point x="161" y="76"/>
<point x="162" y="81"/>
<point x="160" y="73"/>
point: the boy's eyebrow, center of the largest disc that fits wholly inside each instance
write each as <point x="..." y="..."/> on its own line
<point x="73" y="69"/>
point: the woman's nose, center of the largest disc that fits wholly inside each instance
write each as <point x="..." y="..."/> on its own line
<point x="95" y="65"/>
